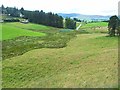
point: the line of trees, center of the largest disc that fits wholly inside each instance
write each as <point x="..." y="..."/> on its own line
<point x="77" y="20"/>
<point x="114" y="26"/>
<point x="10" y="11"/>
<point x="40" y="17"/>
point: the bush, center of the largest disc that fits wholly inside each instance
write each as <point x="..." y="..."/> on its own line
<point x="11" y="20"/>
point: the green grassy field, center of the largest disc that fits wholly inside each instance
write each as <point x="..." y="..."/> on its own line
<point x="9" y="32"/>
<point x="29" y="26"/>
<point x="77" y="59"/>
<point x="98" y="27"/>
<point x="98" y="24"/>
<point x="54" y="38"/>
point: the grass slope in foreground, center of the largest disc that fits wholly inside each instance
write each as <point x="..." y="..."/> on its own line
<point x="89" y="60"/>
<point x="10" y="32"/>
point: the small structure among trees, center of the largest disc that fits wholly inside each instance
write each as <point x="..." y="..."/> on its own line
<point x="114" y="26"/>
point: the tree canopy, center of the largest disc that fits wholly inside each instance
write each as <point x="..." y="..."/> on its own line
<point x="114" y="26"/>
<point x="70" y="24"/>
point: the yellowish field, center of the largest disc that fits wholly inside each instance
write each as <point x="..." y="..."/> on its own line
<point x="89" y="60"/>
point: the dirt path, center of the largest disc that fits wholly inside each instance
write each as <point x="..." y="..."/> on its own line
<point x="78" y="27"/>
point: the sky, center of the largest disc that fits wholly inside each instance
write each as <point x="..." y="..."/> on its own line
<point x="88" y="7"/>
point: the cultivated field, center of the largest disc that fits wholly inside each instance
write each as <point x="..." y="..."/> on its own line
<point x="84" y="58"/>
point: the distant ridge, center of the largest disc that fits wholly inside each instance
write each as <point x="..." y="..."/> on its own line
<point x="84" y="17"/>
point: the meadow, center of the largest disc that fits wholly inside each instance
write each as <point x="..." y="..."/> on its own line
<point x="10" y="32"/>
<point x="94" y="24"/>
<point x="83" y="59"/>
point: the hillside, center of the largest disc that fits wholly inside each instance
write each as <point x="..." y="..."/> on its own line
<point x="85" y="17"/>
<point x="86" y="58"/>
<point x="89" y="60"/>
<point x="19" y="38"/>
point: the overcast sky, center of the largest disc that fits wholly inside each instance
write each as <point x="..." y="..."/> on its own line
<point x="89" y="7"/>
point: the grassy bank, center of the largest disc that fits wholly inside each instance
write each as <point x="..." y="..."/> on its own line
<point x="89" y="60"/>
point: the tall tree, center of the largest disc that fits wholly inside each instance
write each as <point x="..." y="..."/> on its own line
<point x="22" y="11"/>
<point x="70" y="24"/>
<point x="113" y="25"/>
<point x="2" y="9"/>
<point x="118" y="27"/>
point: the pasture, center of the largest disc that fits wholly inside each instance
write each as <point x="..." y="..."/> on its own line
<point x="83" y="59"/>
<point x="9" y="32"/>
<point x="99" y="27"/>
<point x="30" y="26"/>
<point x="95" y="24"/>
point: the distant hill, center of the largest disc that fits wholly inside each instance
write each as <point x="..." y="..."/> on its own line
<point x="85" y="17"/>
